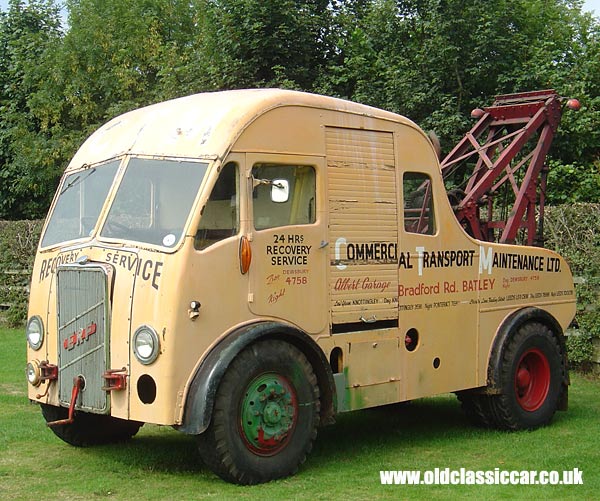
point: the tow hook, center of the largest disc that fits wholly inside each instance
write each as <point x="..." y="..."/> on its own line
<point x="77" y="386"/>
<point x="115" y="379"/>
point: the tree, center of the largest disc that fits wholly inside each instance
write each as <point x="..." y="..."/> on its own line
<point x="26" y="32"/>
<point x="431" y="60"/>
<point x="257" y="43"/>
<point x="436" y="60"/>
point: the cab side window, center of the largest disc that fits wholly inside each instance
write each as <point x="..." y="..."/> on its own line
<point x="221" y="215"/>
<point x="283" y="195"/>
<point x="418" y="203"/>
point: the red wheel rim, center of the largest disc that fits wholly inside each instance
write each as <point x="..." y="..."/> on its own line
<point x="532" y="380"/>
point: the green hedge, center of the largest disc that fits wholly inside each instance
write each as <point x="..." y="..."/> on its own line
<point x="18" y="243"/>
<point x="571" y="230"/>
<point x="574" y="232"/>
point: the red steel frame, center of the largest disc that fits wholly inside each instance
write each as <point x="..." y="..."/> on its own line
<point x="498" y="137"/>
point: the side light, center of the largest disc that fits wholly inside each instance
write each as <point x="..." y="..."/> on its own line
<point x="33" y="373"/>
<point x="245" y="255"/>
<point x="35" y="332"/>
<point x="146" y="344"/>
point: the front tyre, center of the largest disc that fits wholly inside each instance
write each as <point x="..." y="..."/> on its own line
<point x="531" y="378"/>
<point x="265" y="416"/>
<point x="89" y="429"/>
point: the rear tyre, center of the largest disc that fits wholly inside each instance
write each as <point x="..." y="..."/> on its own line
<point x="532" y="373"/>
<point x="89" y="429"/>
<point x="476" y="407"/>
<point x="265" y="416"/>
<point x="531" y="378"/>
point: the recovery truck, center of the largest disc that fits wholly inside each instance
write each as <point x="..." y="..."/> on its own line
<point x="244" y="265"/>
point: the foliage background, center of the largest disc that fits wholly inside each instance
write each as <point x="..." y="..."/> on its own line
<point x="18" y="243"/>
<point x="432" y="60"/>
<point x="574" y="232"/>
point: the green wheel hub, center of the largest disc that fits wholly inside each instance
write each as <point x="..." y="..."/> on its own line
<point x="268" y="414"/>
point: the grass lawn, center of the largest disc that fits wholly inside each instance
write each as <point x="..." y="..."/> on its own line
<point x="160" y="463"/>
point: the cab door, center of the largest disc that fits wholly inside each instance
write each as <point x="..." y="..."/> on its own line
<point x="287" y="275"/>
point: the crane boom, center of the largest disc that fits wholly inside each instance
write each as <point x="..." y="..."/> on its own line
<point x="505" y="152"/>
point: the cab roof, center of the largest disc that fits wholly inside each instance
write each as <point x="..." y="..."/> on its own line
<point x="202" y="125"/>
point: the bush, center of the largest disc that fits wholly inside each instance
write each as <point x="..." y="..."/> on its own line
<point x="18" y="244"/>
<point x="574" y="232"/>
<point x="580" y="349"/>
<point x="573" y="183"/>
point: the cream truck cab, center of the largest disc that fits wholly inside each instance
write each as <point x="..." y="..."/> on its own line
<point x="244" y="265"/>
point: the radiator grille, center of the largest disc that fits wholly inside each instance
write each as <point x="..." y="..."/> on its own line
<point x="82" y="335"/>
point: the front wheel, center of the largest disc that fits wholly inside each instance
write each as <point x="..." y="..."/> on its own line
<point x="265" y="415"/>
<point x="89" y="429"/>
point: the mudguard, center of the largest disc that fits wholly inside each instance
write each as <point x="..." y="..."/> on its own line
<point x="201" y="395"/>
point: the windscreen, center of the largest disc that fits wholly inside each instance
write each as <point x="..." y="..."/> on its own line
<point x="153" y="201"/>
<point x="80" y="200"/>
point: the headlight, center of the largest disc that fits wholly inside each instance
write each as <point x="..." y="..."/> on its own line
<point x="35" y="332"/>
<point x="146" y="344"/>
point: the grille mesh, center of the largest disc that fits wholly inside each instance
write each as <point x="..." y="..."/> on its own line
<point x="82" y="336"/>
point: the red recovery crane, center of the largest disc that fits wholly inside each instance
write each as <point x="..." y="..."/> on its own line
<point x="497" y="201"/>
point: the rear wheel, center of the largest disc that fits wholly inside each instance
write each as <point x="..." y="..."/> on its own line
<point x="265" y="416"/>
<point x="89" y="429"/>
<point x="532" y="377"/>
<point x="476" y="407"/>
<point x="532" y="372"/>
